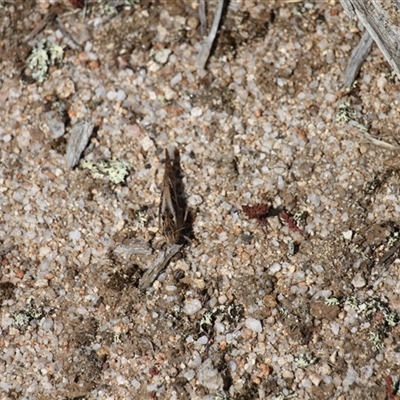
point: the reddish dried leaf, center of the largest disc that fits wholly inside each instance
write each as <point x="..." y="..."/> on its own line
<point x="77" y="3"/>
<point x="389" y="389"/>
<point x="258" y="211"/>
<point x="290" y="222"/>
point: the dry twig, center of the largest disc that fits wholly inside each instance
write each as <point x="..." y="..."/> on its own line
<point x="358" y="56"/>
<point x="202" y="17"/>
<point x="158" y="265"/>
<point x="42" y="24"/>
<point x="207" y="44"/>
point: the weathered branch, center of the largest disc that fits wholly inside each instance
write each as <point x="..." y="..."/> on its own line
<point x="380" y="18"/>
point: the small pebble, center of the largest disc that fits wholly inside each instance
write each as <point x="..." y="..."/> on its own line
<point x="92" y="56"/>
<point x="209" y="376"/>
<point x="57" y="128"/>
<point x="315" y="378"/>
<point x="194" y="200"/>
<point x="192" y="307"/>
<point x="66" y="88"/>
<point x="88" y="46"/>
<point x="162" y="56"/>
<point x="147" y="143"/>
<point x="315" y="199"/>
<point x="348" y="234"/>
<point x="192" y="23"/>
<point x="254" y="325"/>
<point x="219" y="327"/>
<point x="121" y="95"/>
<point x="381" y="82"/>
<point x="47" y="324"/>
<point x="100" y="91"/>
<point x="111" y="95"/>
<point x="135" y="383"/>
<point x="202" y="340"/>
<point x="176" y="79"/>
<point x="189" y="375"/>
<point x="306" y="383"/>
<point x="58" y="327"/>
<point x="7" y="138"/>
<point x="121" y="380"/>
<point x="359" y="281"/>
<point x="222" y="299"/>
<point x="335" y="328"/>
<point x="319" y="269"/>
<point x="94" y="64"/>
<point x="274" y="268"/>
<point x="75" y="235"/>
<point x="280" y="183"/>
<point x="330" y="97"/>
<point x="83" y="57"/>
<point x="351" y="377"/>
<point x="196" y="112"/>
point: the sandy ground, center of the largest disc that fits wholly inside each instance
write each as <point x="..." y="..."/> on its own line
<point x="301" y="302"/>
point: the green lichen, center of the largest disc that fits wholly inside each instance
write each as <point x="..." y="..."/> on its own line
<point x="142" y="217"/>
<point x="42" y="57"/>
<point x="23" y="318"/>
<point x="116" y="171"/>
<point x="344" y="112"/>
<point x="376" y="339"/>
<point x="231" y="314"/>
<point x="369" y="308"/>
<point x="117" y="338"/>
<point x="332" y="301"/>
<point x="303" y="361"/>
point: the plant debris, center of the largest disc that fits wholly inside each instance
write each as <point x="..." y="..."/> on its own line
<point x="258" y="211"/>
<point x="288" y="220"/>
<point x="391" y="392"/>
<point x="262" y="211"/>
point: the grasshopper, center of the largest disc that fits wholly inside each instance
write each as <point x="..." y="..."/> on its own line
<point x="170" y="219"/>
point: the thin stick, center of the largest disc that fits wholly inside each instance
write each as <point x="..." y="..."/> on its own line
<point x="158" y="265"/>
<point x="42" y="24"/>
<point x="386" y="257"/>
<point x="357" y="58"/>
<point x="207" y="44"/>
<point x="73" y="42"/>
<point x="202" y="17"/>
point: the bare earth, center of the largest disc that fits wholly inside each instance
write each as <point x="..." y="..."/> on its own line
<point x="247" y="309"/>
